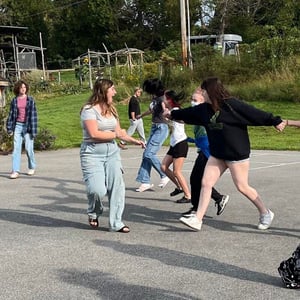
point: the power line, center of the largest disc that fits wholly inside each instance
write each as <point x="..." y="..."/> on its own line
<point x="56" y="8"/>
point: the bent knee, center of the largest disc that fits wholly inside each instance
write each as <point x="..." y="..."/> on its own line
<point x="244" y="189"/>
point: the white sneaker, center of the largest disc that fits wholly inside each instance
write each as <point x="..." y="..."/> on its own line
<point x="144" y="187"/>
<point x="14" y="175"/>
<point x="30" y="172"/>
<point x="163" y="182"/>
<point x="265" y="220"/>
<point x="192" y="222"/>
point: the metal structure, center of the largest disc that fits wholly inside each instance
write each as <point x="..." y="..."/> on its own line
<point x="97" y="61"/>
<point x="15" y="57"/>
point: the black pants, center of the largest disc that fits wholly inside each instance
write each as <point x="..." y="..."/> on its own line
<point x="196" y="179"/>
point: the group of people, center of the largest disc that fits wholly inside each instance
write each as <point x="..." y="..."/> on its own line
<point x="220" y="135"/>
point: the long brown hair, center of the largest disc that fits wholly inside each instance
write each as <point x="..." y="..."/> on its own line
<point x="216" y="91"/>
<point x="99" y="96"/>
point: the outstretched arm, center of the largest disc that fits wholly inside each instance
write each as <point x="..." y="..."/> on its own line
<point x="295" y="123"/>
<point x="146" y="113"/>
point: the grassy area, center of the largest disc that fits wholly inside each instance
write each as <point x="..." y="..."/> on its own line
<point x="61" y="116"/>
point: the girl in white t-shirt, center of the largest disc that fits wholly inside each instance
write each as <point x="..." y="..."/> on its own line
<point x="177" y="152"/>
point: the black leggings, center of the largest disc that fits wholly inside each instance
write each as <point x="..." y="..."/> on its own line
<point x="196" y="180"/>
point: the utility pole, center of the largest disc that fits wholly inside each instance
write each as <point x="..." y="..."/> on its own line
<point x="183" y="33"/>
<point x="190" y="60"/>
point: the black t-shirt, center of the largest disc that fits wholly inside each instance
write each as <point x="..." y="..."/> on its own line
<point x="227" y="129"/>
<point x="134" y="106"/>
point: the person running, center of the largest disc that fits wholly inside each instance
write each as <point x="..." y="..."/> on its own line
<point x="226" y="119"/>
<point x="201" y="141"/>
<point x="178" y="150"/>
<point x="158" y="134"/>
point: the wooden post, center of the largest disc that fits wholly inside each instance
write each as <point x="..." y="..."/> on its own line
<point x="183" y="32"/>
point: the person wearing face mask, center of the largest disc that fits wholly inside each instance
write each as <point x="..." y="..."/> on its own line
<point x="201" y="141"/>
<point x="226" y="120"/>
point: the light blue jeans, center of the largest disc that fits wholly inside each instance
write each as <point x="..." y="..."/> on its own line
<point x="158" y="134"/>
<point x="102" y="172"/>
<point x="20" y="133"/>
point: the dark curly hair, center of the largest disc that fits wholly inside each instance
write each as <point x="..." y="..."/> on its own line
<point x="18" y="85"/>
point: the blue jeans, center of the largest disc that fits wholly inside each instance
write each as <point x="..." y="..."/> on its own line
<point x="20" y="133"/>
<point x="102" y="172"/>
<point x="159" y="133"/>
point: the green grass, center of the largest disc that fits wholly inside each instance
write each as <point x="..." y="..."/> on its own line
<point x="61" y="116"/>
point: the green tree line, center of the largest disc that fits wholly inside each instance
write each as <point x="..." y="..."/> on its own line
<point x="70" y="27"/>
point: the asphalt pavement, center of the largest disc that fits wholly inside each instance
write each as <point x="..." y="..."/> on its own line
<point x="48" y="250"/>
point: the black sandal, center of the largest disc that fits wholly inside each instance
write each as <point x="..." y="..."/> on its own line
<point x="176" y="192"/>
<point x="124" y="229"/>
<point x="94" y="223"/>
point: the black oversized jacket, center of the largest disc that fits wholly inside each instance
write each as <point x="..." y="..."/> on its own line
<point x="227" y="129"/>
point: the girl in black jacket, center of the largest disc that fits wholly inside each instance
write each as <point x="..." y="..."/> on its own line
<point x="226" y="119"/>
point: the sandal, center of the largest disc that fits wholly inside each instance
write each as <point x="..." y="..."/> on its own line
<point x="176" y="192"/>
<point x="94" y="223"/>
<point x="124" y="229"/>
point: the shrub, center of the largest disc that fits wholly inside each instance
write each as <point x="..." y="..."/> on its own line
<point x="5" y="139"/>
<point x="44" y="140"/>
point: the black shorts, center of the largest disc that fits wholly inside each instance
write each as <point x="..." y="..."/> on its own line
<point x="179" y="150"/>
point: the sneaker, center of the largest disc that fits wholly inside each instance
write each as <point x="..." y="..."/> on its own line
<point x="30" y="172"/>
<point x="14" y="175"/>
<point x="176" y="192"/>
<point x="265" y="220"/>
<point x="192" y="222"/>
<point x="144" y="187"/>
<point x="221" y="204"/>
<point x="163" y="182"/>
<point x="192" y="211"/>
<point x="183" y="200"/>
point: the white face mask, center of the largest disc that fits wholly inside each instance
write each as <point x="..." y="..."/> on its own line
<point x="193" y="103"/>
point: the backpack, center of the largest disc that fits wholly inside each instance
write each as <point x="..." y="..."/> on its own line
<point x="289" y="270"/>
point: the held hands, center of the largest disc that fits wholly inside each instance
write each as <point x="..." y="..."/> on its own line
<point x="122" y="135"/>
<point x="141" y="143"/>
<point x="280" y="127"/>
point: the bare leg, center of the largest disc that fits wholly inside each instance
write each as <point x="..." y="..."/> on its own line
<point x="167" y="161"/>
<point x="239" y="172"/>
<point x="213" y="171"/>
<point x="177" y="168"/>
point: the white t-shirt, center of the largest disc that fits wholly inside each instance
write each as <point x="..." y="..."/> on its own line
<point x="178" y="132"/>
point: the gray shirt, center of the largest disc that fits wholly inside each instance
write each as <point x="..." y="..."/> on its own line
<point x="157" y="110"/>
<point x="104" y="124"/>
